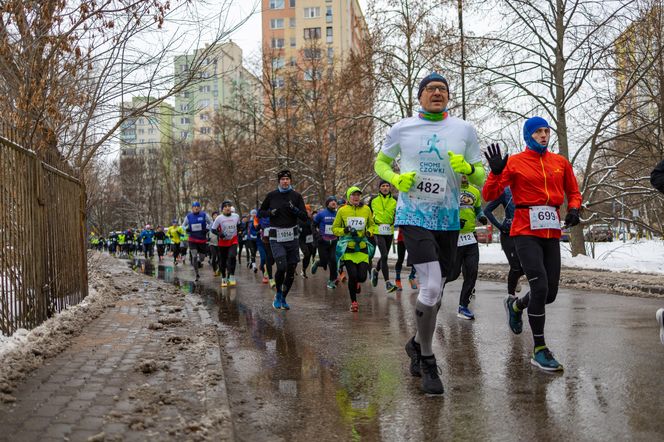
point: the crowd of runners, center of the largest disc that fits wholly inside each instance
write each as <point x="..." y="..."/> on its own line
<point x="441" y="184"/>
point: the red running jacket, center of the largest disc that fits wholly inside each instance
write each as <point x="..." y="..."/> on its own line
<point x="535" y="180"/>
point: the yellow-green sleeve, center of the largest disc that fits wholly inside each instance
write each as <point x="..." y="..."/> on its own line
<point x="383" y="167"/>
<point x="338" y="224"/>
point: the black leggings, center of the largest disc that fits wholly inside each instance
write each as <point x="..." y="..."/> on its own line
<point x="401" y="255"/>
<point x="357" y="273"/>
<point x="308" y="251"/>
<point x="214" y="257"/>
<point x="251" y="250"/>
<point x="467" y="261"/>
<point x="227" y="257"/>
<point x="540" y="259"/>
<point x="327" y="257"/>
<point x="383" y="242"/>
<point x="516" y="272"/>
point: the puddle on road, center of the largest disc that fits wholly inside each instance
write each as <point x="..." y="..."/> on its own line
<point x="281" y="387"/>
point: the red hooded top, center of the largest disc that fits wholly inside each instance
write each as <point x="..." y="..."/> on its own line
<point x="535" y="180"/>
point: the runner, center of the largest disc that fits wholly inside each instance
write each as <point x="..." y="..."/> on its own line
<point x="342" y="274"/>
<point x="240" y="238"/>
<point x="160" y="239"/>
<point x="147" y="239"/>
<point x="213" y="247"/>
<point x="327" y="244"/>
<point x="434" y="148"/>
<point x="468" y="252"/>
<point x="197" y="224"/>
<point x="175" y="232"/>
<point x="252" y="234"/>
<point x="284" y="206"/>
<point x="113" y="243"/>
<point x="353" y="223"/>
<point x="539" y="180"/>
<point x="383" y="207"/>
<point x="226" y="226"/>
<point x="657" y="181"/>
<point x="506" y="241"/>
<point x="263" y="245"/>
<point x="401" y="255"/>
<point x="306" y="240"/>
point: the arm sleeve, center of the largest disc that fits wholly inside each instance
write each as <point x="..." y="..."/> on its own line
<point x="216" y="223"/>
<point x="490" y="207"/>
<point x="302" y="214"/>
<point x="383" y="167"/>
<point x="264" y="210"/>
<point x="208" y="221"/>
<point x="473" y="155"/>
<point x="338" y="225"/>
<point x="495" y="184"/>
<point x="572" y="188"/>
<point x="185" y="223"/>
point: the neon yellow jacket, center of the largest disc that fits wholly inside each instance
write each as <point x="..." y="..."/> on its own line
<point x="340" y="223"/>
<point x="384" y="208"/>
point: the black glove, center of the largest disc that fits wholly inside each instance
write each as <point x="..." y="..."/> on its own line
<point x="572" y="218"/>
<point x="350" y="230"/>
<point x="273" y="212"/>
<point x="462" y="222"/>
<point x="496" y="161"/>
<point x="482" y="219"/>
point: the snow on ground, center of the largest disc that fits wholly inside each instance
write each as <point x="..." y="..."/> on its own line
<point x="646" y="256"/>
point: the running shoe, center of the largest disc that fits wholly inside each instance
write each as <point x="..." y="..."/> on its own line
<point x="354" y="307"/>
<point x="224" y="282"/>
<point x="514" y="319"/>
<point x="342" y="276"/>
<point x="265" y="280"/>
<point x="660" y="320"/>
<point x="276" y="304"/>
<point x="331" y="285"/>
<point x="314" y="267"/>
<point x="254" y="268"/>
<point x="544" y="359"/>
<point x="465" y="313"/>
<point x="273" y="283"/>
<point x="413" y="283"/>
<point x="374" y="277"/>
<point x="231" y="281"/>
<point x="397" y="282"/>
<point x="284" y="304"/>
<point x="389" y="287"/>
<point x="413" y="352"/>
<point x="217" y="273"/>
<point x="431" y="383"/>
<point x="304" y="274"/>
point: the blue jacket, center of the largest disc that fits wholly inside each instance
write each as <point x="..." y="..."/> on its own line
<point x="146" y="236"/>
<point x="505" y="199"/>
<point x="325" y="218"/>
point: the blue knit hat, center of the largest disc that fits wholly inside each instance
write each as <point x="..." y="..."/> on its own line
<point x="529" y="128"/>
<point x="434" y="76"/>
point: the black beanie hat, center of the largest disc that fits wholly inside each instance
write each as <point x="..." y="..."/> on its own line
<point x="284" y="173"/>
<point x="383" y="182"/>
<point x="330" y="199"/>
<point x="434" y="76"/>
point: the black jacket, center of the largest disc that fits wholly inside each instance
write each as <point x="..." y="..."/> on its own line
<point x="657" y="177"/>
<point x="289" y="207"/>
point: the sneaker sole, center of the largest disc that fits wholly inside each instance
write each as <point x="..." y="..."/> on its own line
<point x="547" y="369"/>
<point x="660" y="320"/>
<point x="462" y="316"/>
<point x="507" y="312"/>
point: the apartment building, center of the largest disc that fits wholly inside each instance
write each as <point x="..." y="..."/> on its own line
<point x="145" y="134"/>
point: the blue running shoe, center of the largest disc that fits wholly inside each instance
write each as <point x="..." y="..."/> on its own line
<point x="544" y="359"/>
<point x="465" y="313"/>
<point x="514" y="319"/>
<point x="314" y="267"/>
<point x="331" y="285"/>
<point x="276" y="304"/>
<point x="284" y="304"/>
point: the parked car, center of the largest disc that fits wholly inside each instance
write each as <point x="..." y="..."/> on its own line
<point x="599" y="232"/>
<point x="564" y="234"/>
<point x="484" y="234"/>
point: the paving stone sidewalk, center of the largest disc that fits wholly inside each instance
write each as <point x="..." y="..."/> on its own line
<point x="148" y="368"/>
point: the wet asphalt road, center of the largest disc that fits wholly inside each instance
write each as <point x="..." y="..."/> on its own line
<point x="319" y="372"/>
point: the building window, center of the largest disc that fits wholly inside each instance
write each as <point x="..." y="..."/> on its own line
<point x="205" y="116"/>
<point x="291" y="3"/>
<point x="313" y="12"/>
<point x="330" y="55"/>
<point x="328" y="14"/>
<point x="278" y="82"/>
<point x="141" y="131"/>
<point x="276" y="4"/>
<point x="184" y="120"/>
<point x="204" y="103"/>
<point x="311" y="33"/>
<point x="187" y="94"/>
<point x="205" y="74"/>
<point x="310" y="74"/>
<point x="277" y="43"/>
<point x="328" y="34"/>
<point x="184" y="68"/>
<point x="277" y="23"/>
<point x="291" y="22"/>
<point x="311" y="53"/>
<point x="293" y="42"/>
<point x="204" y="88"/>
<point x="278" y="63"/>
<point x="184" y="108"/>
<point x="293" y="61"/>
<point x="205" y="130"/>
<point x="150" y="131"/>
<point x="184" y="134"/>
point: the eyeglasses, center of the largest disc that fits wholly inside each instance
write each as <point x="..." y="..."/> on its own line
<point x="432" y="89"/>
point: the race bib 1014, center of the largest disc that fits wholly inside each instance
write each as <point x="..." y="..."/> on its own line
<point x="285" y="235"/>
